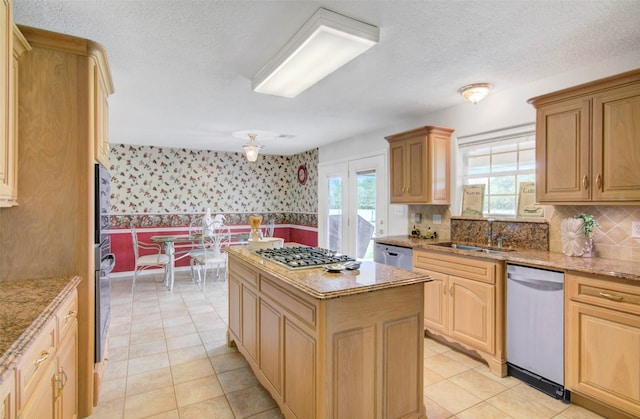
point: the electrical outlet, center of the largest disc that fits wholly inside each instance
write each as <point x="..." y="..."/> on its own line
<point x="437" y="218"/>
<point x="417" y="218"/>
<point x="635" y="229"/>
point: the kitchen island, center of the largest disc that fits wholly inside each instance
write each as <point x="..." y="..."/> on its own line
<point x="343" y="344"/>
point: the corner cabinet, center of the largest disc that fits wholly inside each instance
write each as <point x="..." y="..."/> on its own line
<point x="588" y="143"/>
<point x="464" y="304"/>
<point x="420" y="166"/>
<point x="602" y="342"/>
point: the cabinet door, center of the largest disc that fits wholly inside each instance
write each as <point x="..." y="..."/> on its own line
<point x="415" y="175"/>
<point x="436" y="296"/>
<point x="472" y="313"/>
<point x="42" y="400"/>
<point x="67" y="376"/>
<point x="235" y="316"/>
<point x="101" y="119"/>
<point x="602" y="348"/>
<point x="271" y="344"/>
<point x="7" y="157"/>
<point x="562" y="152"/>
<point x="7" y="397"/>
<point x="397" y="170"/>
<point x="250" y="322"/>
<point x="438" y="170"/>
<point x="299" y="371"/>
<point x="616" y="145"/>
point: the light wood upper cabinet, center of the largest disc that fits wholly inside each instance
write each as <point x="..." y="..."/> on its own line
<point x="588" y="143"/>
<point x="102" y="88"/>
<point x="14" y="46"/>
<point x="420" y="166"/>
<point x="465" y="303"/>
<point x="602" y="341"/>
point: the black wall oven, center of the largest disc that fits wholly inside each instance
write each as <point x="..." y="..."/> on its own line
<point x="104" y="259"/>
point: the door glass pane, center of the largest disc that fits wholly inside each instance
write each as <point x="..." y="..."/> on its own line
<point x="366" y="213"/>
<point x="334" y="223"/>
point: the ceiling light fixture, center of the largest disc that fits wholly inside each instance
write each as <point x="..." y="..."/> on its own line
<point x="252" y="148"/>
<point x="326" y="42"/>
<point x="475" y="92"/>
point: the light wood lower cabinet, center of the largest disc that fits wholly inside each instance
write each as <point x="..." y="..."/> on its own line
<point x="8" y="397"/>
<point x="602" y="342"/>
<point x="46" y="375"/>
<point x="464" y="304"/>
<point x="357" y="356"/>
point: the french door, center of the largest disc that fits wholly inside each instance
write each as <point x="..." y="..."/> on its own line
<point x="352" y="205"/>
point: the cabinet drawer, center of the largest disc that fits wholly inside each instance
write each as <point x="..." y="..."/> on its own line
<point x="67" y="315"/>
<point x="466" y="267"/>
<point x="35" y="361"/>
<point x="604" y="293"/>
<point x="244" y="272"/>
<point x="302" y="309"/>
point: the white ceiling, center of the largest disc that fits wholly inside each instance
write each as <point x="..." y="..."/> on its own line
<point x="182" y="69"/>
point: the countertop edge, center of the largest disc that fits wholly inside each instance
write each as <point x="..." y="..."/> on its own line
<point x="544" y="259"/>
<point x="10" y="358"/>
<point x="326" y="295"/>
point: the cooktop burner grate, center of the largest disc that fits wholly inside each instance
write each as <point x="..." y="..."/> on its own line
<point x="302" y="257"/>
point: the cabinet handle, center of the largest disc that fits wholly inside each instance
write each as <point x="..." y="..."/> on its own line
<point x="611" y="296"/>
<point x="585" y="182"/>
<point x="43" y="357"/>
<point x="70" y="315"/>
<point x="599" y="181"/>
<point x="451" y="290"/>
<point x="444" y="289"/>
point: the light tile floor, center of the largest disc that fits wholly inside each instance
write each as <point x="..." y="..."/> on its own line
<point x="168" y="359"/>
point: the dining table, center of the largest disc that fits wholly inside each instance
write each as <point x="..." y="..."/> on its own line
<point x="184" y="243"/>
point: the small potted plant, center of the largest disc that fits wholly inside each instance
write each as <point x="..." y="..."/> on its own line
<point x="588" y="224"/>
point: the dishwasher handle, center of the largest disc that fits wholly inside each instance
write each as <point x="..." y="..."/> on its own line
<point x="388" y="253"/>
<point x="536" y="283"/>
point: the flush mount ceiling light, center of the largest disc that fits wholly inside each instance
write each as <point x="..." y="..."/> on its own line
<point x="326" y="42"/>
<point x="475" y="92"/>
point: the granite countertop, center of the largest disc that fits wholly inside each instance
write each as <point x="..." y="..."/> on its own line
<point x="322" y="285"/>
<point x="544" y="259"/>
<point x="25" y="306"/>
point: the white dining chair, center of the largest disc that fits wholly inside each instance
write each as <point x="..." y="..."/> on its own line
<point x="213" y="254"/>
<point x="156" y="259"/>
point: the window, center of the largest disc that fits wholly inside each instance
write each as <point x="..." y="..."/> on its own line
<point x="500" y="161"/>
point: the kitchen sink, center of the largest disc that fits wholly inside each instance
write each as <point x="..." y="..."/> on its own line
<point x="474" y="248"/>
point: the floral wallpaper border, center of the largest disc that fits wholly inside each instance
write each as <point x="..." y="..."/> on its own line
<point x="183" y="220"/>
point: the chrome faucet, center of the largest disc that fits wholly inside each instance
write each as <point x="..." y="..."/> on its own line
<point x="490" y="233"/>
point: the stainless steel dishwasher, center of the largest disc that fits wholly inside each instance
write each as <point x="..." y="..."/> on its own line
<point x="535" y="328"/>
<point x="398" y="256"/>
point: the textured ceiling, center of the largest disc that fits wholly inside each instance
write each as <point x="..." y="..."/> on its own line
<point x="182" y="69"/>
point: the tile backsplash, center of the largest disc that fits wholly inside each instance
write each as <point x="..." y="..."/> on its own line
<point x="612" y="239"/>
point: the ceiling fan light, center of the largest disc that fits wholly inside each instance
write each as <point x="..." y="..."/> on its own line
<point x="326" y="42"/>
<point x="475" y="92"/>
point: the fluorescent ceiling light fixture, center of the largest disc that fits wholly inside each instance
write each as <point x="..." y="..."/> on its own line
<point x="326" y="42"/>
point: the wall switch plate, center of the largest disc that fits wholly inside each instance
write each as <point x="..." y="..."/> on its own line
<point x="437" y="218"/>
<point x="417" y="217"/>
<point x="635" y="229"/>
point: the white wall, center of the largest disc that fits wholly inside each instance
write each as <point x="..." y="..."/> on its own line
<point x="502" y="109"/>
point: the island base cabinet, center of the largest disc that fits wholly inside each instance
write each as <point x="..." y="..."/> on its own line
<point x="603" y="341"/>
<point x="357" y="356"/>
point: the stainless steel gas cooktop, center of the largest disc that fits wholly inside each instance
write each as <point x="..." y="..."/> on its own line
<point x="303" y="257"/>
